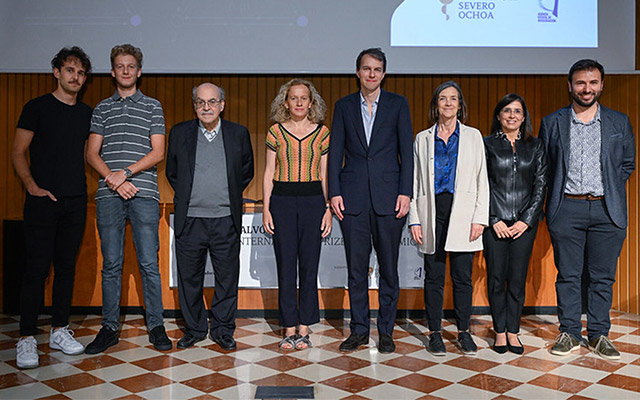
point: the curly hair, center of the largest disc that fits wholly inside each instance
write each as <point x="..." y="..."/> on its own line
<point x="279" y="112"/>
<point x="69" y="53"/>
<point x="126" y="49"/>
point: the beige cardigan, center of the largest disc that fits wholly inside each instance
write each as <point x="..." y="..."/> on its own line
<point x="471" y="197"/>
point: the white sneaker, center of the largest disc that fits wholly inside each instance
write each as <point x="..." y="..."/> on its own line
<point x="62" y="339"/>
<point x="27" y="352"/>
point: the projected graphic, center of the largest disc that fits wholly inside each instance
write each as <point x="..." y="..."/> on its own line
<point x="498" y="23"/>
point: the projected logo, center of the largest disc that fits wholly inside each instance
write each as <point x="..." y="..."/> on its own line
<point x="444" y="7"/>
<point x="550" y="8"/>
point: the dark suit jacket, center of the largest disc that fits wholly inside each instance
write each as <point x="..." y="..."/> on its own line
<point x="385" y="165"/>
<point x="617" y="159"/>
<point x="181" y="161"/>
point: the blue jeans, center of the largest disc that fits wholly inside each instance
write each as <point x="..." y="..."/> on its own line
<point x="144" y="215"/>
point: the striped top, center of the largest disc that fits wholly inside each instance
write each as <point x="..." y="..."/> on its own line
<point x="127" y="125"/>
<point x="297" y="160"/>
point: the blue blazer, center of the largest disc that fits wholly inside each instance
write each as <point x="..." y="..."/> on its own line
<point x="617" y="158"/>
<point x="377" y="172"/>
<point x="181" y="161"/>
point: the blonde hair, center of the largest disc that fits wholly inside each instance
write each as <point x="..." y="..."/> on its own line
<point x="279" y="112"/>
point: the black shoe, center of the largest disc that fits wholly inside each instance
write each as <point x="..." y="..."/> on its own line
<point x="467" y="345"/>
<point x="436" y="345"/>
<point x="159" y="339"/>
<point x="227" y="342"/>
<point x="516" y="349"/>
<point x="386" y="344"/>
<point x="104" y="339"/>
<point x="188" y="340"/>
<point x="353" y="342"/>
<point x="500" y="349"/>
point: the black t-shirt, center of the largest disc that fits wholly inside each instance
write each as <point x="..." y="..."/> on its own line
<point x="57" y="148"/>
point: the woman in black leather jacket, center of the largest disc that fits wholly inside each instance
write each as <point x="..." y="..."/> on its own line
<point x="516" y="166"/>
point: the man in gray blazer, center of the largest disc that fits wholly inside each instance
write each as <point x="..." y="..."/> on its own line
<point x="591" y="154"/>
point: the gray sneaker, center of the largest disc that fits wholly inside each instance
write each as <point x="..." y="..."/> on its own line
<point x="603" y="347"/>
<point x="565" y="344"/>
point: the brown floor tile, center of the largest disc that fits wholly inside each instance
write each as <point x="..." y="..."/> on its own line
<point x="15" y="379"/>
<point x="598" y="364"/>
<point x="334" y="333"/>
<point x="143" y="382"/>
<point x="490" y="383"/>
<point x="158" y="362"/>
<point x="627" y="347"/>
<point x="73" y="382"/>
<point x="421" y="383"/>
<point x="478" y="365"/>
<point x="346" y="363"/>
<point x="133" y="332"/>
<point x="621" y="382"/>
<point x="282" y="379"/>
<point x="89" y="322"/>
<point x="131" y="397"/>
<point x="429" y="397"/>
<point x="535" y="363"/>
<point x="333" y="347"/>
<point x="175" y="334"/>
<point x="239" y="333"/>
<point x="352" y="383"/>
<point x="8" y="320"/>
<point x="93" y="363"/>
<point x="504" y="397"/>
<point x="81" y="332"/>
<point x="578" y="397"/>
<point x="284" y="363"/>
<point x="221" y="363"/>
<point x="546" y="332"/>
<point x="409" y="363"/>
<point x="211" y="383"/>
<point x="354" y="397"/>
<point x="561" y="383"/>
<point x="8" y="344"/>
<point x="58" y="396"/>
<point x="135" y="322"/>
<point x="122" y="345"/>
<point x="205" y="397"/>
<point x="240" y="322"/>
<point x="407" y="348"/>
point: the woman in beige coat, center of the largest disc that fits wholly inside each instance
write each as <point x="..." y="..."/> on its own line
<point x="449" y="209"/>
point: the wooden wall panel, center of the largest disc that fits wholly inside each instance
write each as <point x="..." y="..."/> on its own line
<point x="248" y="101"/>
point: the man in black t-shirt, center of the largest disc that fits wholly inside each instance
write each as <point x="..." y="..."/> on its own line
<point x="54" y="128"/>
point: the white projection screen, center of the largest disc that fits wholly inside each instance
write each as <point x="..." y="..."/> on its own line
<point x="324" y="36"/>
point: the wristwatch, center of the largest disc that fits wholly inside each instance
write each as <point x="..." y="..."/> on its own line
<point x="127" y="172"/>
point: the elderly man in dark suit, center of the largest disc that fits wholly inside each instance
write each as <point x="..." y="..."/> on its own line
<point x="370" y="193"/>
<point x="591" y="153"/>
<point x="209" y="164"/>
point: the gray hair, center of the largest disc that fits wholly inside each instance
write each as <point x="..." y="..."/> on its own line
<point x="195" y="89"/>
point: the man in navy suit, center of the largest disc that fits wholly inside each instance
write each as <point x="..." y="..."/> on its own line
<point x="370" y="193"/>
<point x="591" y="153"/>
<point x="209" y="164"/>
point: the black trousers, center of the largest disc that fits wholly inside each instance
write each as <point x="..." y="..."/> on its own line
<point x="297" y="241"/>
<point x="219" y="238"/>
<point x="358" y="231"/>
<point x="507" y="266"/>
<point x="53" y="232"/>
<point x="435" y="266"/>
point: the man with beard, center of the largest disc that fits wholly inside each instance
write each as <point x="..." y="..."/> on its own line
<point x="591" y="153"/>
<point x="126" y="143"/>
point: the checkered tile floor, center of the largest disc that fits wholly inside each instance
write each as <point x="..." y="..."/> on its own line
<point x="134" y="370"/>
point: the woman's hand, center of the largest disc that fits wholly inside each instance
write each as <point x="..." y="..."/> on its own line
<point x="327" y="220"/>
<point x="501" y="229"/>
<point x="476" y="231"/>
<point x="517" y="229"/>
<point x="267" y="221"/>
<point x="416" y="232"/>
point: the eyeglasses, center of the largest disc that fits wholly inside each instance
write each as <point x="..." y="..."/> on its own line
<point x="516" y="111"/>
<point x="211" y="102"/>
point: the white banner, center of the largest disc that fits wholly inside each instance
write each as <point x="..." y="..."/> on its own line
<point x="258" y="261"/>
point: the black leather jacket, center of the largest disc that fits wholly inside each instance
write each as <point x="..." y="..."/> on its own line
<point x="517" y="179"/>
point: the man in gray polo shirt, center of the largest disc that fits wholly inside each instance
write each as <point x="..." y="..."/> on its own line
<point x="209" y="164"/>
<point x="126" y="143"/>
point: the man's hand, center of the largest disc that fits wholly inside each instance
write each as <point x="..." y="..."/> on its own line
<point x="127" y="190"/>
<point x="416" y="232"/>
<point x="267" y="221"/>
<point x="501" y="229"/>
<point x="37" y="191"/>
<point x="476" y="231"/>
<point x="337" y="205"/>
<point x="115" y="179"/>
<point x="402" y="205"/>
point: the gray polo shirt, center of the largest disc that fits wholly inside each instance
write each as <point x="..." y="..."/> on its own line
<point x="127" y="125"/>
